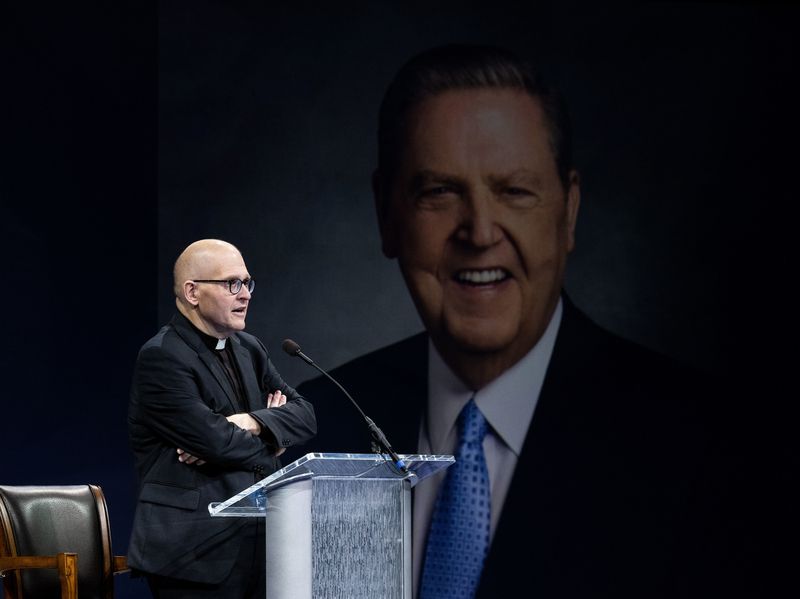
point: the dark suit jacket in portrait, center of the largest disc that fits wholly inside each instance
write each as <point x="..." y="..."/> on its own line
<point x="180" y="397"/>
<point x="614" y="493"/>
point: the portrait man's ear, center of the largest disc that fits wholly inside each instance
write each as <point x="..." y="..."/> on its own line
<point x="382" y="199"/>
<point x="573" y="203"/>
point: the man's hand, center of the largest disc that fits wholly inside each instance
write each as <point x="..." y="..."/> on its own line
<point x="187" y="458"/>
<point x="276" y="400"/>
<point x="245" y="422"/>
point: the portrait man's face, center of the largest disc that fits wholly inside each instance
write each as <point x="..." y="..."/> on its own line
<point x="479" y="220"/>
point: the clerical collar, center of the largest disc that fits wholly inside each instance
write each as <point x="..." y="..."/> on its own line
<point x="210" y="342"/>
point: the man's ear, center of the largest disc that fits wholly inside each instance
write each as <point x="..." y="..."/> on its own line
<point x="573" y="203"/>
<point x="382" y="199"/>
<point x="190" y="293"/>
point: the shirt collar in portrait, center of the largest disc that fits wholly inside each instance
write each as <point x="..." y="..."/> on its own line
<point x="508" y="402"/>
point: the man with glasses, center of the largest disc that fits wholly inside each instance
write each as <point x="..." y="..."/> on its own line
<point x="209" y="415"/>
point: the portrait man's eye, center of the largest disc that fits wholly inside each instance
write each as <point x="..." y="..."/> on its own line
<point x="517" y="191"/>
<point x="438" y="196"/>
<point x="437" y="191"/>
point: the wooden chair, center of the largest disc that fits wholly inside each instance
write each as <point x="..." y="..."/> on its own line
<point x="61" y="528"/>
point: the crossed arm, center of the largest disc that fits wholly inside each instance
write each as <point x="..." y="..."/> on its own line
<point x="172" y="403"/>
<point x="245" y="422"/>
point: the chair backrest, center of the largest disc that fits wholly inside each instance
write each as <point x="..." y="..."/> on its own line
<point x="46" y="520"/>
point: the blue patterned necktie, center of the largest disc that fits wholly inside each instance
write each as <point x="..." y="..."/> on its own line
<point x="458" y="539"/>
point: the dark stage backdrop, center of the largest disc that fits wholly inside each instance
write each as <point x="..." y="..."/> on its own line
<point x="267" y="138"/>
<point x="137" y="130"/>
<point x="78" y="120"/>
<point x="683" y="117"/>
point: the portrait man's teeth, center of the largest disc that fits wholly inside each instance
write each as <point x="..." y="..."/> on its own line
<point x="481" y="277"/>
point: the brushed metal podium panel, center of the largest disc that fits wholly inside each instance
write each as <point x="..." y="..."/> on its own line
<point x="353" y="536"/>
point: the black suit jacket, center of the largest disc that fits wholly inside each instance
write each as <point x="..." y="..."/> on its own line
<point x="179" y="398"/>
<point x="613" y="493"/>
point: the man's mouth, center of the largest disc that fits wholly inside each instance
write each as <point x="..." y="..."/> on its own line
<point x="477" y="277"/>
<point x="240" y="310"/>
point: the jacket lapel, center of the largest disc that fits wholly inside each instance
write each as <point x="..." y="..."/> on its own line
<point x="548" y="490"/>
<point x="213" y="364"/>
<point x="192" y="338"/>
<point x="252" y="389"/>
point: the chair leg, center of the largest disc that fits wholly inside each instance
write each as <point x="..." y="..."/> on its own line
<point x="68" y="575"/>
<point x="65" y="563"/>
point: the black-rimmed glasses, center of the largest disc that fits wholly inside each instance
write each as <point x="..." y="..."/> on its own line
<point x="234" y="285"/>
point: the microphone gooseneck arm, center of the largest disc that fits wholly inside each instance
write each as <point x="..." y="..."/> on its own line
<point x="293" y="349"/>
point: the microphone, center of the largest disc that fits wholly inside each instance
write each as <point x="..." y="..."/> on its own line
<point x="293" y="349"/>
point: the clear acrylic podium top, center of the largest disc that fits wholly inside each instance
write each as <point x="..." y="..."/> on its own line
<point x="252" y="501"/>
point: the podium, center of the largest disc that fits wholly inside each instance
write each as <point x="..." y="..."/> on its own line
<point x="338" y="525"/>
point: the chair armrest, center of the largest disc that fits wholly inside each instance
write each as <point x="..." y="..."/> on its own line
<point x="120" y="564"/>
<point x="65" y="563"/>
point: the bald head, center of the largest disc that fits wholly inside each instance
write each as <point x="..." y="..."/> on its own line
<point x="202" y="287"/>
<point x="200" y="260"/>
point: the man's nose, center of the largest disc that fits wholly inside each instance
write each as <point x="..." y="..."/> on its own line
<point x="479" y="226"/>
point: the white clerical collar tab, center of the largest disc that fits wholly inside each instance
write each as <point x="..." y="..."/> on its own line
<point x="221" y="343"/>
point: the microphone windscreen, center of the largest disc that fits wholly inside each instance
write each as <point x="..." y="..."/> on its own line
<point x="290" y="347"/>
